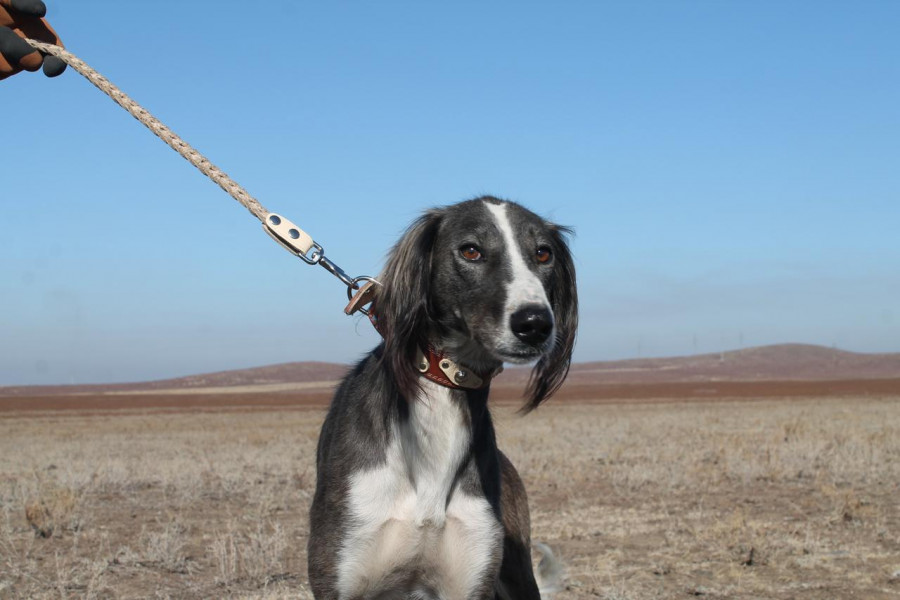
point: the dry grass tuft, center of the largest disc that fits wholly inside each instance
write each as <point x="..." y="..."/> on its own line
<point x="165" y="548"/>
<point x="257" y="557"/>
<point x="53" y="511"/>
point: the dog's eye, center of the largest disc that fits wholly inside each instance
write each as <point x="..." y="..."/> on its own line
<point x="470" y="252"/>
<point x="543" y="254"/>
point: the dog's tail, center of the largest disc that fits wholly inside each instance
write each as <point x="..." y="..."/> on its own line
<point x="550" y="571"/>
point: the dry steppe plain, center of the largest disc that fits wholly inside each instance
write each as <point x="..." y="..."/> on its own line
<point x="707" y="496"/>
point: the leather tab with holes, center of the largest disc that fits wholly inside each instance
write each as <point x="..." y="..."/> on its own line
<point x="288" y="234"/>
<point x="364" y="296"/>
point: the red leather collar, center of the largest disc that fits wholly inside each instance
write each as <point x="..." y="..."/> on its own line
<point x="431" y="363"/>
<point x="436" y="367"/>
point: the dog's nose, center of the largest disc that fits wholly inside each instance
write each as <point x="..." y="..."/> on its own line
<point x="532" y="324"/>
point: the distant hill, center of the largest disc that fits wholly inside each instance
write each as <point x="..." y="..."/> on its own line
<point x="282" y="376"/>
<point x="783" y="362"/>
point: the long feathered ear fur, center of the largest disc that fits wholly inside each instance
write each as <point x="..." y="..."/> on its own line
<point x="402" y="301"/>
<point x="551" y="370"/>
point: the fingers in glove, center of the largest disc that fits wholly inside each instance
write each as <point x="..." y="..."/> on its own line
<point x="40" y="30"/>
<point x="6" y="19"/>
<point x="32" y="8"/>
<point x="24" y="17"/>
<point x="16" y="54"/>
<point x="53" y="66"/>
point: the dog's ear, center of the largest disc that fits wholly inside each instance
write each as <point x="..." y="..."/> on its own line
<point x="402" y="304"/>
<point x="551" y="370"/>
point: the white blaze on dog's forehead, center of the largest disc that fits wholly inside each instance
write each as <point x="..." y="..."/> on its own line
<point x="525" y="287"/>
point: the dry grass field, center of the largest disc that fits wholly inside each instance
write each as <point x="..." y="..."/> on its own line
<point x="767" y="498"/>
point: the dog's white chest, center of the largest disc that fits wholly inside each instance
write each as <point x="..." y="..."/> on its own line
<point x="412" y="530"/>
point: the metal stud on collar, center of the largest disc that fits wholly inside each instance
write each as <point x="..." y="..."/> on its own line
<point x="460" y="376"/>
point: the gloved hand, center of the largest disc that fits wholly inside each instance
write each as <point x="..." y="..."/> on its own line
<point x="24" y="18"/>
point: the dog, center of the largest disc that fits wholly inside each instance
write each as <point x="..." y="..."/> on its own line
<point x="413" y="500"/>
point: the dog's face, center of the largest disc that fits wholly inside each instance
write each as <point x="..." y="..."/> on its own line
<point x="489" y="282"/>
<point x="493" y="269"/>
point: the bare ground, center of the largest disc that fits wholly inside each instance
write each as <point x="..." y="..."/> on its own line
<point x="781" y="498"/>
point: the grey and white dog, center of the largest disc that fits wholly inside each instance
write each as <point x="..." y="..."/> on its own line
<point x="413" y="498"/>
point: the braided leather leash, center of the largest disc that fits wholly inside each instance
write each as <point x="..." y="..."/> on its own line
<point x="287" y="234"/>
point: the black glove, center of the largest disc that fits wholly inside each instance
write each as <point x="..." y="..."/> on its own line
<point x="24" y="18"/>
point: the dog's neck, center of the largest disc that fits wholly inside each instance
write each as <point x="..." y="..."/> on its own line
<point x="434" y="365"/>
<point x="457" y="362"/>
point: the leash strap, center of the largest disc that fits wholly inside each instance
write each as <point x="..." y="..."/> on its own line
<point x="282" y="230"/>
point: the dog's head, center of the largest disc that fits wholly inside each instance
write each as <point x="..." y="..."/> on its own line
<point x="487" y="281"/>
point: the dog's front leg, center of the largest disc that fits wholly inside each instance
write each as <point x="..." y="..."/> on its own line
<point x="516" y="581"/>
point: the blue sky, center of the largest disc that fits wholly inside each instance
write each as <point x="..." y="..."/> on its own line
<point x="731" y="170"/>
